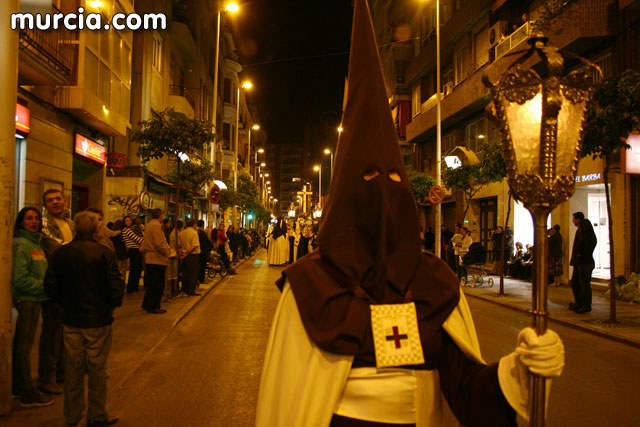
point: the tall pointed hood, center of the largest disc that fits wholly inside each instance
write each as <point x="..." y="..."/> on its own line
<point x="369" y="228"/>
<point x="369" y="243"/>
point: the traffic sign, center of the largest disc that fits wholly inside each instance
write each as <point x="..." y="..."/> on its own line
<point x="214" y="194"/>
<point x="436" y="194"/>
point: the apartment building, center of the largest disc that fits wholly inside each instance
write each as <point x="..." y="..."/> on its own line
<point x="74" y="91"/>
<point x="476" y="39"/>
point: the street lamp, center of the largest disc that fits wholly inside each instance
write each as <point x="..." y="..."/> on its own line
<point x="245" y="85"/>
<point x="541" y="120"/>
<point x="256" y="171"/>
<point x="254" y="127"/>
<point x="329" y="152"/>
<point x="318" y="169"/>
<point x="230" y="7"/>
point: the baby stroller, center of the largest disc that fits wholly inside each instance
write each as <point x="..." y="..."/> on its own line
<point x="476" y="257"/>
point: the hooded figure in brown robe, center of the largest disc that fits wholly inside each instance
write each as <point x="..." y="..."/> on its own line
<point x="369" y="254"/>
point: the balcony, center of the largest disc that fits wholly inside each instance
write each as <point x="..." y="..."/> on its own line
<point x="47" y="58"/>
<point x="184" y="41"/>
<point x="514" y="39"/>
<point x="180" y="102"/>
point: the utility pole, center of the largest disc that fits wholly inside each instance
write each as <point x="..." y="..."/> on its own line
<point x="8" y="94"/>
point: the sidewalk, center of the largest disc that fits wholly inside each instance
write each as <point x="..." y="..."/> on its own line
<point x="518" y="297"/>
<point x="136" y="334"/>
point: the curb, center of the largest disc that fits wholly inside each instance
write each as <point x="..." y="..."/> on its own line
<point x="185" y="311"/>
<point x="575" y="325"/>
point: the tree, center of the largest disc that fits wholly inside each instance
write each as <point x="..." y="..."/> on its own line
<point x="247" y="197"/>
<point x="421" y="183"/>
<point x="471" y="178"/>
<point x="612" y="115"/>
<point x="171" y="134"/>
<point x="195" y="173"/>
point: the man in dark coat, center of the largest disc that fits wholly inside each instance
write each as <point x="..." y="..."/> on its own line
<point x="584" y="243"/>
<point x="84" y="278"/>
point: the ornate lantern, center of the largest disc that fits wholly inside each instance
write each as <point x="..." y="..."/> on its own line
<point x="541" y="120"/>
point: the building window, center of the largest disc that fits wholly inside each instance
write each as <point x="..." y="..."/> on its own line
<point x="448" y="142"/>
<point x="461" y="61"/>
<point x="157" y="53"/>
<point x="476" y="135"/>
<point x="481" y="47"/>
<point x="416" y="101"/>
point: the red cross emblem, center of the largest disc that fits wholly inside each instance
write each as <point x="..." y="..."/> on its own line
<point x="397" y="337"/>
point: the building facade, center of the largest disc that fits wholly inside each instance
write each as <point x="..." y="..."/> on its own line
<point x="82" y="93"/>
<point x="476" y="40"/>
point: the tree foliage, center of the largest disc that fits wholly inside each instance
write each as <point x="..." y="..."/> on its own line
<point x="247" y="197"/>
<point x="613" y="113"/>
<point x="471" y="178"/>
<point x="170" y="133"/>
<point x="421" y="183"/>
<point x="193" y="173"/>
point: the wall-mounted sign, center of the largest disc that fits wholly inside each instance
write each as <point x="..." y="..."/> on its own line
<point x="90" y="150"/>
<point x="23" y="121"/>
<point x="116" y="160"/>
<point x="588" y="178"/>
<point x="631" y="156"/>
<point x="145" y="200"/>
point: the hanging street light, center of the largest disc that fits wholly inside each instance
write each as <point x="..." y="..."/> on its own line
<point x="541" y="119"/>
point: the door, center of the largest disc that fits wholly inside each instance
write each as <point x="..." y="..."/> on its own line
<point x="597" y="214"/>
<point x="488" y="222"/>
<point x="79" y="198"/>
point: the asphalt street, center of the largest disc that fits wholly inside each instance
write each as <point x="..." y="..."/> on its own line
<point x="205" y="371"/>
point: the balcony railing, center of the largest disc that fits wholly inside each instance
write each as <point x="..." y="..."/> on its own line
<point x="514" y="39"/>
<point x="54" y="47"/>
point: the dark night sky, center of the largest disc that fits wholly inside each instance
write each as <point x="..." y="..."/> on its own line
<point x="296" y="54"/>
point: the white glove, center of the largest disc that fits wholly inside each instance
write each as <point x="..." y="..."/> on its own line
<point x="543" y="355"/>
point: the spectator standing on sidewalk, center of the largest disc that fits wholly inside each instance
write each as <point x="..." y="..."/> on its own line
<point x="132" y="241"/>
<point x="56" y="231"/>
<point x="174" y="259"/>
<point x="29" y="268"/>
<point x="104" y="234"/>
<point x="221" y="242"/>
<point x="463" y="248"/>
<point x="121" y="249"/>
<point x="156" y="255"/>
<point x="584" y="243"/>
<point x="205" y="249"/>
<point x="85" y="280"/>
<point x="166" y="227"/>
<point x="190" y="258"/>
<point x="555" y="256"/>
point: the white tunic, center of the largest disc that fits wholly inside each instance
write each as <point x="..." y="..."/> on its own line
<point x="278" y="253"/>
<point x="302" y="385"/>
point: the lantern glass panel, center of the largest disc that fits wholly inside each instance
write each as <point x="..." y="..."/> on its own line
<point x="569" y="123"/>
<point x="524" y="124"/>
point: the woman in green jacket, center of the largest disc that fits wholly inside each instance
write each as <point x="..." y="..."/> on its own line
<point x="29" y="268"/>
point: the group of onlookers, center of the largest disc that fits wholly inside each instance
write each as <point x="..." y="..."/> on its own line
<point x="63" y="270"/>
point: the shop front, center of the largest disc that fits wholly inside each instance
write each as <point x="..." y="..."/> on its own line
<point x="23" y="128"/>
<point x="589" y="198"/>
<point x="88" y="173"/>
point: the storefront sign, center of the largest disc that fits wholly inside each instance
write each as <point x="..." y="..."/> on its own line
<point x="89" y="149"/>
<point x="588" y="178"/>
<point x="23" y="120"/>
<point x="116" y="160"/>
<point x="631" y="156"/>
